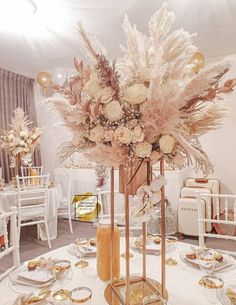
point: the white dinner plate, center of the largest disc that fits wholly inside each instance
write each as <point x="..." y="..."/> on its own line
<point x="22" y="287"/>
<point x="74" y="250"/>
<point x="224" y="266"/>
<point x="152" y="248"/>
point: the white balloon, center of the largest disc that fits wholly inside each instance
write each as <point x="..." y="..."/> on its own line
<point x="59" y="77"/>
<point x="71" y="73"/>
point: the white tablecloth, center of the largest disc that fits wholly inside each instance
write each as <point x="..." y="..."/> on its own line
<point x="182" y="283"/>
<point x="8" y="198"/>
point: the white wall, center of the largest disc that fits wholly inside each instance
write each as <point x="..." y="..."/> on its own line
<point x="53" y="134"/>
<point x="220" y="145"/>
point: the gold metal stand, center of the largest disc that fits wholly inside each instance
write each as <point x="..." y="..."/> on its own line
<point x="131" y="290"/>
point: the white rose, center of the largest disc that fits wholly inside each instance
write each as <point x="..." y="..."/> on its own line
<point x="29" y="141"/>
<point x="123" y="135"/>
<point x="143" y="150"/>
<point x="23" y="134"/>
<point x="10" y="137"/>
<point x="96" y="134"/>
<point x="135" y="94"/>
<point x="22" y="143"/>
<point x="113" y="111"/>
<point x="92" y="87"/>
<point x="138" y="134"/>
<point x="167" y="143"/>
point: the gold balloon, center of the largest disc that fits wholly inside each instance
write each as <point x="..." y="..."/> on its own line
<point x="44" y="79"/>
<point x="198" y="61"/>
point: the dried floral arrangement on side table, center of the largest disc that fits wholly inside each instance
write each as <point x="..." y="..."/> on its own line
<point x="20" y="141"/>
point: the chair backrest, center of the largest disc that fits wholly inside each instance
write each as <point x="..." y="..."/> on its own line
<point x="65" y="189"/>
<point x="32" y="190"/>
<point x="222" y="202"/>
<point x="31" y="171"/>
<point x="13" y="245"/>
<point x="104" y="197"/>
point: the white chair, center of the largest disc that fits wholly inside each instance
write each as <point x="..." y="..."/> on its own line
<point x="14" y="246"/>
<point x="32" y="199"/>
<point x="104" y="197"/>
<point x="27" y="170"/>
<point x="222" y="203"/>
<point x="66" y="207"/>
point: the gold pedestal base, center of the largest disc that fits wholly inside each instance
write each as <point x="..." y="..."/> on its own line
<point x="140" y="288"/>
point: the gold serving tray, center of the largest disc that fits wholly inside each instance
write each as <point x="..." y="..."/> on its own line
<point x="139" y="288"/>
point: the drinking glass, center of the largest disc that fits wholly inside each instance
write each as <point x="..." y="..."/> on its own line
<point x="171" y="249"/>
<point x="206" y="261"/>
<point x="83" y="242"/>
<point x="213" y="288"/>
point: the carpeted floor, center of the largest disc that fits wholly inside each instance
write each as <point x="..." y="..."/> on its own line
<point x="30" y="247"/>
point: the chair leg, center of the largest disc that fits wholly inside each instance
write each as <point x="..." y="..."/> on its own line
<point x="38" y="231"/>
<point x="47" y="234"/>
<point x="70" y="224"/>
<point x="18" y="228"/>
<point x="70" y="221"/>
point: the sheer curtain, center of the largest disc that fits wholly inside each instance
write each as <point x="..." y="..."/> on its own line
<point x="15" y="91"/>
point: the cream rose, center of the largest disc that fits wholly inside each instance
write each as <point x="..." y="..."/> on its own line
<point x="22" y="143"/>
<point x="167" y="143"/>
<point x="123" y="135"/>
<point x="92" y="87"/>
<point x="135" y="94"/>
<point x="138" y="134"/>
<point x="143" y="150"/>
<point x="96" y="134"/>
<point x="23" y="134"/>
<point x="10" y="137"/>
<point x="113" y="111"/>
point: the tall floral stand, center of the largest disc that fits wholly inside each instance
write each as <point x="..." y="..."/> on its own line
<point x="132" y="290"/>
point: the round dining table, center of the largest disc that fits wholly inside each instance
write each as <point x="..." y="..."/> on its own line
<point x="182" y="282"/>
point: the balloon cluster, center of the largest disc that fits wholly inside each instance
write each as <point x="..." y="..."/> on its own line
<point x="58" y="77"/>
<point x="198" y="62"/>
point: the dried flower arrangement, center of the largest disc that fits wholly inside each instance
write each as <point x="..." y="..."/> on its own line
<point x="150" y="105"/>
<point x="20" y="141"/>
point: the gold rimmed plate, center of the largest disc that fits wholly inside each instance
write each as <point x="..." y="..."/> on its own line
<point x="35" y="299"/>
<point x="27" y="287"/>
